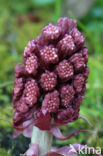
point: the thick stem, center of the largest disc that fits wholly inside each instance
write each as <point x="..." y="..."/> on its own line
<point x="43" y="139"/>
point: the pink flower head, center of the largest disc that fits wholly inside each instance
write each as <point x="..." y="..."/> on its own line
<point x="29" y="49"/>
<point x="51" y="102"/>
<point x="31" y="65"/>
<point x="77" y="36"/>
<point x="31" y="92"/>
<point x="48" y="81"/>
<point x="66" y="45"/>
<point x="78" y="62"/>
<point x="64" y="70"/>
<point x="49" y="55"/>
<point x="66" y="24"/>
<point x="51" y="84"/>
<point x="67" y="95"/>
<point x="51" y="32"/>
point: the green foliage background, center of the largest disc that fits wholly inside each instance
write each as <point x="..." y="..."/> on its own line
<point x="19" y="22"/>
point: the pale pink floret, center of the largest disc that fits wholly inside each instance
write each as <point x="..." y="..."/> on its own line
<point x="22" y="107"/>
<point x="48" y="81"/>
<point x="29" y="48"/>
<point x="65" y="70"/>
<point x="18" y="86"/>
<point x="84" y="52"/>
<point x="51" y="32"/>
<point x="67" y="95"/>
<point x="78" y="62"/>
<point x="49" y="55"/>
<point x="31" y="92"/>
<point x="66" y="24"/>
<point x="51" y="102"/>
<point x="66" y="45"/>
<point x="78" y="82"/>
<point x="31" y="65"/>
<point x="77" y="36"/>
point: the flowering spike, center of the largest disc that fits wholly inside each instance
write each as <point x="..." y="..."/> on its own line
<point x="48" y="81"/>
<point x="52" y="82"/>
<point x="64" y="70"/>
<point x="51" y="102"/>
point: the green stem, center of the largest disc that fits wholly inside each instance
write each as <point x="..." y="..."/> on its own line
<point x="43" y="139"/>
<point x="57" y="10"/>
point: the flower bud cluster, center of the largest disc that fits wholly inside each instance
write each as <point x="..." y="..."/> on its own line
<point x="53" y="79"/>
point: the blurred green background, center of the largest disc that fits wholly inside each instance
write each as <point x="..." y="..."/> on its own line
<point x="21" y="21"/>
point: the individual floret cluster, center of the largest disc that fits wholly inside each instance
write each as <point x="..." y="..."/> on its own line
<point x="64" y="70"/>
<point x="48" y="81"/>
<point x="52" y="82"/>
<point x="51" y="102"/>
<point x="49" y="55"/>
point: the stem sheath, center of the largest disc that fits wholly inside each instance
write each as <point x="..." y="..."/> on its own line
<point x="43" y="139"/>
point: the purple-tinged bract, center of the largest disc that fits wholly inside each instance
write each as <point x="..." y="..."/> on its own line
<point x="65" y="114"/>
